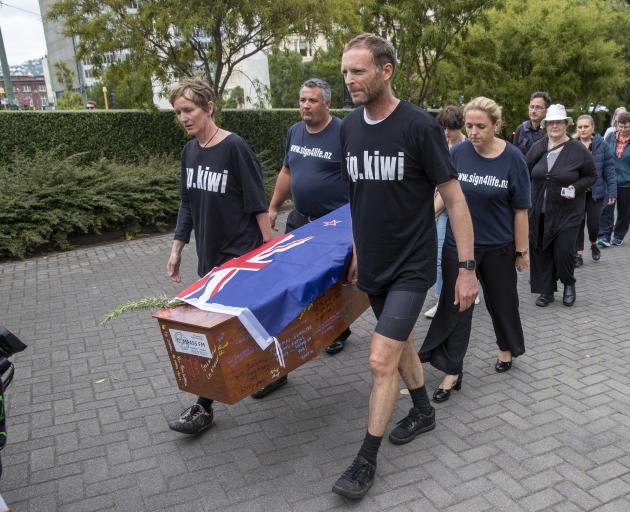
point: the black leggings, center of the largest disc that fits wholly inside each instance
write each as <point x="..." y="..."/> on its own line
<point x="397" y="312"/>
<point x="591" y="219"/>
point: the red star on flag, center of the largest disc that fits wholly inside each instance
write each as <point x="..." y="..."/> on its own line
<point x="332" y="222"/>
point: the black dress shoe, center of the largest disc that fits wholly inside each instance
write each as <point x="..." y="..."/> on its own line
<point x="442" y="395"/>
<point x="338" y="345"/>
<point x="568" y="297"/>
<point x="544" y="299"/>
<point x="502" y="366"/>
<point x="595" y="252"/>
<point x="267" y="390"/>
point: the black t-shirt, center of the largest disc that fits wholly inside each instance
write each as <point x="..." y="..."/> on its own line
<point x="317" y="186"/>
<point x="393" y="168"/>
<point x="221" y="193"/>
<point x="494" y="188"/>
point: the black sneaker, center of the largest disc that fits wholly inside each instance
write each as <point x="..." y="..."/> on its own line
<point x="578" y="261"/>
<point x="411" y="425"/>
<point x="356" y="480"/>
<point x="193" y="420"/>
<point x="596" y="252"/>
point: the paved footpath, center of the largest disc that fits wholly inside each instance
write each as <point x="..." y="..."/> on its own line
<point x="88" y="407"/>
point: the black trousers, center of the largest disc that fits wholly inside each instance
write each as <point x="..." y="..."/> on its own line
<point x="447" y="341"/>
<point x="555" y="262"/>
<point x="591" y="220"/>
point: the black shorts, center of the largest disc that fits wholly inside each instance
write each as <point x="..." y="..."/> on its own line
<point x="397" y="312"/>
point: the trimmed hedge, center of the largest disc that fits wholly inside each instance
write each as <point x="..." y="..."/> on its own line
<point x="125" y="136"/>
<point x="69" y="173"/>
<point x="132" y="136"/>
<point x="46" y="199"/>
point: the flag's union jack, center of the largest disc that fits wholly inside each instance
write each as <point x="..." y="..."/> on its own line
<point x="271" y="285"/>
<point x="218" y="277"/>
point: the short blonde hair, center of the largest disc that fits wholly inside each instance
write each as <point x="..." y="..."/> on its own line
<point x="490" y="107"/>
<point x="197" y="90"/>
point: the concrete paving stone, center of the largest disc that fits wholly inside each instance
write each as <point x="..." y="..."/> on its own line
<point x="608" y="471"/>
<point x="542" y="500"/>
<point x="611" y="490"/>
<point x="96" y="504"/>
<point x="616" y="506"/>
<point x="567" y="506"/>
<point x="576" y="495"/>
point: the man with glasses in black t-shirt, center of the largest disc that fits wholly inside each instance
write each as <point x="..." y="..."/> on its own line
<point x="394" y="156"/>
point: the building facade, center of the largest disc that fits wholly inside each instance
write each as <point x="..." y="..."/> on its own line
<point x="29" y="91"/>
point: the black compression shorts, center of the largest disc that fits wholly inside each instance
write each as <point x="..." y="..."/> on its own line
<point x="397" y="312"/>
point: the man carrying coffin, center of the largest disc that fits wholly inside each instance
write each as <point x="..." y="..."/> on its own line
<point x="394" y="156"/>
<point x="311" y="173"/>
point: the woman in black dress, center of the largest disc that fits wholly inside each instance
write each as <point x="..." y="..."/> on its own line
<point x="562" y="170"/>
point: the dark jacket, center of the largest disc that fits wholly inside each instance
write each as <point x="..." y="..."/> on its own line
<point x="574" y="166"/>
<point x="622" y="165"/>
<point x="525" y="136"/>
<point x="606" y="184"/>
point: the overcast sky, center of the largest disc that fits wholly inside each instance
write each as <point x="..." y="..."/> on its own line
<point x="22" y="30"/>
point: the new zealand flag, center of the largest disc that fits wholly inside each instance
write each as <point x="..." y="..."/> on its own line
<point x="268" y="287"/>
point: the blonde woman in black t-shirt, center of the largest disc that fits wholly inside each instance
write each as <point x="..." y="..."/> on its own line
<point x="495" y="181"/>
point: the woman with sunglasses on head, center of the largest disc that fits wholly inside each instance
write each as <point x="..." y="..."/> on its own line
<point x="562" y="170"/>
<point x="495" y="181"/>
<point x="604" y="189"/>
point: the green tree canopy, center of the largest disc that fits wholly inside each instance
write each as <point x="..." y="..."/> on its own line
<point x="127" y="89"/>
<point x="287" y="72"/>
<point x="70" y="100"/>
<point x="173" y="39"/>
<point x="64" y="75"/>
<point x="423" y="31"/>
<point x="566" y="47"/>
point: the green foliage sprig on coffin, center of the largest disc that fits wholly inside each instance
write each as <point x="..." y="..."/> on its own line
<point x="142" y="305"/>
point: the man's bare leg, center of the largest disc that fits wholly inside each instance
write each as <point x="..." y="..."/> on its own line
<point x="410" y="367"/>
<point x="385" y="354"/>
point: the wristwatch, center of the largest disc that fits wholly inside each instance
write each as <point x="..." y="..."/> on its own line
<point x="468" y="264"/>
<point x="520" y="254"/>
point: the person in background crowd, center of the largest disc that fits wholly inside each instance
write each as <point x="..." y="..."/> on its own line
<point x="531" y="130"/>
<point x="495" y="180"/>
<point x="613" y="123"/>
<point x="562" y="170"/>
<point x="605" y="188"/>
<point x="621" y="158"/>
<point x="451" y="120"/>
<point x="312" y="177"/>
<point x="229" y="220"/>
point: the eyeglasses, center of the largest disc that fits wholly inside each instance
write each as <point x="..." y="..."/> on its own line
<point x="536" y="107"/>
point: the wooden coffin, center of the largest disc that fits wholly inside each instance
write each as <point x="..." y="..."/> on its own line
<point x="214" y="356"/>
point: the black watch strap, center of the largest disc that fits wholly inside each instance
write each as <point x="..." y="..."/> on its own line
<point x="467" y="264"/>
